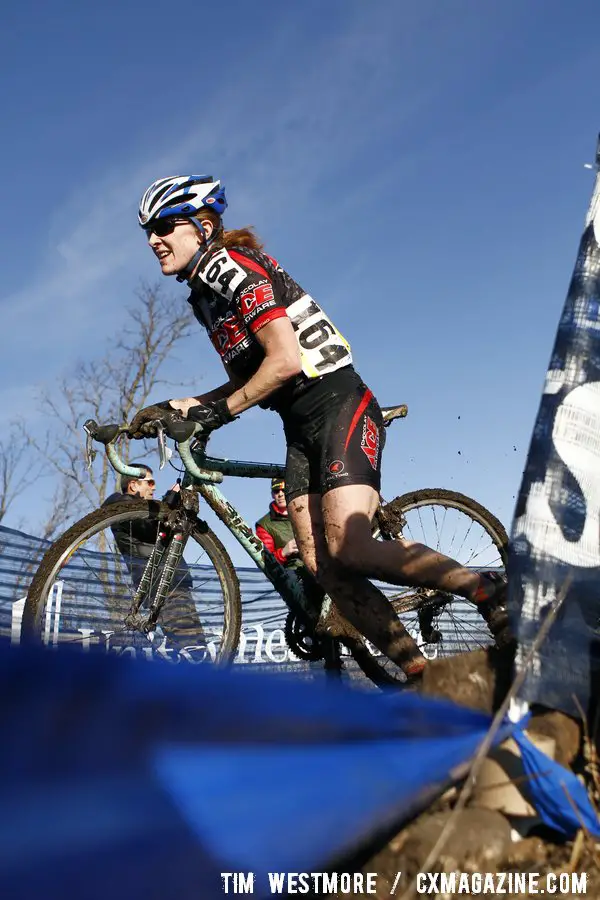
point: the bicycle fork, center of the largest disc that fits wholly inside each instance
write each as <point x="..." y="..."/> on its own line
<point x="171" y="550"/>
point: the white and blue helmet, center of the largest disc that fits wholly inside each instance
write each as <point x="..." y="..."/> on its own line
<point x="181" y="195"/>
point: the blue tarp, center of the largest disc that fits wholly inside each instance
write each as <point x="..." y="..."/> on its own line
<point x="146" y="778"/>
<point x="123" y="779"/>
<point x="560" y="799"/>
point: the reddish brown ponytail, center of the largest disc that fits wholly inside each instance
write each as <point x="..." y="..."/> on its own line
<point x="238" y="237"/>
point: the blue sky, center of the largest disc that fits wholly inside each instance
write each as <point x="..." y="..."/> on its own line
<point x="417" y="166"/>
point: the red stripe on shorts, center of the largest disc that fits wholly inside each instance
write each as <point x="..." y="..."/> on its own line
<point x="359" y="411"/>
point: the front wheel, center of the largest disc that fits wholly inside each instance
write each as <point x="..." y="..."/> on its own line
<point x="86" y="581"/>
<point x="442" y="624"/>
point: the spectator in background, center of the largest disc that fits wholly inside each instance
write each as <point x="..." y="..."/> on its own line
<point x="275" y="528"/>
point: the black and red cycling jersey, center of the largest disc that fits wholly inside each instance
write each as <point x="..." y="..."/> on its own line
<point x="237" y="291"/>
<point x="334" y="431"/>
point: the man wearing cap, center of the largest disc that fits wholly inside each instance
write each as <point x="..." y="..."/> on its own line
<point x="275" y="528"/>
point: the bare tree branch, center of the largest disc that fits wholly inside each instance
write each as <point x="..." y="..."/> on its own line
<point x="110" y="388"/>
<point x="17" y="465"/>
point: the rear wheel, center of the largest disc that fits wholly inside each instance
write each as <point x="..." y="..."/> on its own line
<point x="442" y="624"/>
<point x="86" y="582"/>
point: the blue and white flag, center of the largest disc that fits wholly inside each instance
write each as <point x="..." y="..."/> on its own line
<point x="556" y="532"/>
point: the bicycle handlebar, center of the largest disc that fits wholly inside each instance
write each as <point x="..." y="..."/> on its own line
<point x="180" y="432"/>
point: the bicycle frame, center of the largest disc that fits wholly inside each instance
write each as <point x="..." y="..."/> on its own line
<point x="204" y="473"/>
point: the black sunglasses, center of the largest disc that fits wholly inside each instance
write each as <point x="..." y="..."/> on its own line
<point x="163" y="227"/>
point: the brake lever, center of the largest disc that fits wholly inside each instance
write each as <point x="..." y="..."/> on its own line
<point x="90" y="452"/>
<point x="162" y="445"/>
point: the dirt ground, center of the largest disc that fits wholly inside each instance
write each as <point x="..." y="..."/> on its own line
<point x="481" y="839"/>
<point x="481" y="844"/>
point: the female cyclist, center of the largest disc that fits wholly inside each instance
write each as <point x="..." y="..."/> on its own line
<point x="281" y="351"/>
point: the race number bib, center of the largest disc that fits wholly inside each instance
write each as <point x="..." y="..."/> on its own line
<point x="322" y="348"/>
<point x="223" y="274"/>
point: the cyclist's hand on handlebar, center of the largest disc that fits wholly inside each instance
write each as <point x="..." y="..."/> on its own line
<point x="211" y="415"/>
<point x="142" y="424"/>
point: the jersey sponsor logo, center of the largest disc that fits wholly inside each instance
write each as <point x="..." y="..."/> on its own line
<point x="223" y="274"/>
<point x="336" y="467"/>
<point x="228" y="334"/>
<point x="260" y="295"/>
<point x="370" y="441"/>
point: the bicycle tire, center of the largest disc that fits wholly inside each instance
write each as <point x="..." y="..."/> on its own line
<point x="455" y="500"/>
<point x="59" y="553"/>
<point x="394" y="512"/>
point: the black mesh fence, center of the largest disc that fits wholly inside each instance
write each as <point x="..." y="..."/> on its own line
<point x="92" y="595"/>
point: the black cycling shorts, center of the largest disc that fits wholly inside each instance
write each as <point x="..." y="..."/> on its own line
<point x="335" y="436"/>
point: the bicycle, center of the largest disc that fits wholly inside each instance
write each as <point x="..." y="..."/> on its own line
<point x="440" y="622"/>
